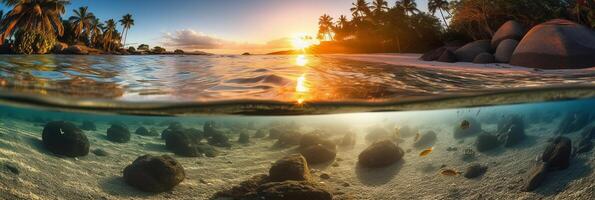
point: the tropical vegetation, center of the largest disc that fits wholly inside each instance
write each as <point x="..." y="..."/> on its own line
<point x="34" y="26"/>
<point x="377" y="27"/>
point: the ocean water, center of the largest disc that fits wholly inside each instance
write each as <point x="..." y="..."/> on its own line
<point x="443" y="121"/>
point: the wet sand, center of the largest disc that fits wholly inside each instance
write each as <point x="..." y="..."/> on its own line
<point x="46" y="176"/>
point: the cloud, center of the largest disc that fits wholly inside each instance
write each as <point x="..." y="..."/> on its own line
<point x="192" y="40"/>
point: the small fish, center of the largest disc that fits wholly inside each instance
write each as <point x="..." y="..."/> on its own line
<point x="426" y="152"/>
<point x="465" y="124"/>
<point x="449" y="172"/>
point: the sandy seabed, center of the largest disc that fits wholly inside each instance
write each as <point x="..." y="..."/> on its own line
<point x="46" y="176"/>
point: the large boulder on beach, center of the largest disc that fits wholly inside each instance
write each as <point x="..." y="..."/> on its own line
<point x="484" y="58"/>
<point x="380" y="154"/>
<point x="118" y="133"/>
<point x="556" y="44"/>
<point x="505" y="50"/>
<point x="557" y="154"/>
<point x="511" y="131"/>
<point x="64" y="138"/>
<point x="293" y="167"/>
<point x="75" y="49"/>
<point x="425" y="140"/>
<point x="154" y="173"/>
<point x="509" y="30"/>
<point x="447" y="56"/>
<point x="468" y="52"/>
<point x="59" y="47"/>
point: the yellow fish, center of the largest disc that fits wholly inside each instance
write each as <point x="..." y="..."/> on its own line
<point x="426" y="152"/>
<point x="465" y="124"/>
<point x="449" y="172"/>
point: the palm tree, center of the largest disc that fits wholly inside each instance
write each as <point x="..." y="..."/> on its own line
<point x="360" y="9"/>
<point x="341" y="28"/>
<point x="379" y="6"/>
<point x="81" y="22"/>
<point x="408" y="6"/>
<point x="33" y="15"/>
<point x="325" y="26"/>
<point x="108" y="34"/>
<point x="127" y="22"/>
<point x="95" y="29"/>
<point x="439" y="5"/>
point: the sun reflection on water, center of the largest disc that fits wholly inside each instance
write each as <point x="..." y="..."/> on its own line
<point x="301" y="60"/>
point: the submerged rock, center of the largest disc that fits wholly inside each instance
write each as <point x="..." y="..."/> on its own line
<point x="142" y="131"/>
<point x="536" y="177"/>
<point x="426" y="140"/>
<point x="184" y="142"/>
<point x="288" y="139"/>
<point x="380" y="154"/>
<point x="118" y="133"/>
<point x="244" y="138"/>
<point x="172" y="126"/>
<point x="379" y="134"/>
<point x="244" y="189"/>
<point x="293" y="190"/>
<point x="64" y="138"/>
<point x="293" y="167"/>
<point x="556" y="44"/>
<point x="219" y="140"/>
<point x="474" y="170"/>
<point x="486" y="142"/>
<point x="88" y="126"/>
<point x="348" y="140"/>
<point x="318" y="153"/>
<point x="557" y="154"/>
<point x="573" y="122"/>
<point x="260" y="133"/>
<point x="100" y="152"/>
<point x="407" y="132"/>
<point x="154" y="173"/>
<point x="511" y="131"/>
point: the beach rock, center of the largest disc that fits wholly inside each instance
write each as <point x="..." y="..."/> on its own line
<point x="100" y="152"/>
<point x="75" y="49"/>
<point x="474" y="170"/>
<point x="511" y="131"/>
<point x="244" y="189"/>
<point x="219" y="140"/>
<point x="154" y="173"/>
<point x="486" y="142"/>
<point x="64" y="138"/>
<point x="573" y="122"/>
<point x="433" y="54"/>
<point x="425" y="140"/>
<point x="318" y="153"/>
<point x="88" y="126"/>
<point x="536" y="176"/>
<point x="292" y="167"/>
<point x="184" y="143"/>
<point x="244" y="138"/>
<point x="557" y="154"/>
<point x="380" y="154"/>
<point x="59" y="48"/>
<point x="448" y="56"/>
<point x="556" y="44"/>
<point x="509" y="30"/>
<point x="142" y="131"/>
<point x="379" y="134"/>
<point x="118" y="133"/>
<point x="468" y="52"/>
<point x="473" y="129"/>
<point x="484" y="58"/>
<point x="293" y="190"/>
<point x="260" y="133"/>
<point x="505" y="50"/>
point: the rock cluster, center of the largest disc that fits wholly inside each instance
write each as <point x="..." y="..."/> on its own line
<point x="317" y="150"/>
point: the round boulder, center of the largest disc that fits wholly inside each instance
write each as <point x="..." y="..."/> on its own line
<point x="293" y="190"/>
<point x="142" y="131"/>
<point x="154" y="173"/>
<point x="486" y="142"/>
<point x="293" y="167"/>
<point x="557" y="44"/>
<point x="468" y="52"/>
<point x="505" y="50"/>
<point x="484" y="58"/>
<point x="474" y="170"/>
<point x="448" y="56"/>
<point x="318" y="153"/>
<point x="64" y="138"/>
<point x="509" y="30"/>
<point x="118" y="133"/>
<point x="557" y="154"/>
<point x="380" y="154"/>
<point x="244" y="138"/>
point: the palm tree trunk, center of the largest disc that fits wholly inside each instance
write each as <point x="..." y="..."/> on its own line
<point x="125" y="36"/>
<point x="443" y="18"/>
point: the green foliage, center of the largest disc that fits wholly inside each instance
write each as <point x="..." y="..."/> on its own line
<point x="143" y="47"/>
<point x="158" y="49"/>
<point x="179" y="51"/>
<point x="34" y="42"/>
<point x="131" y="50"/>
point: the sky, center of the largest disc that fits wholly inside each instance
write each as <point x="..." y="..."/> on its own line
<point x="219" y="25"/>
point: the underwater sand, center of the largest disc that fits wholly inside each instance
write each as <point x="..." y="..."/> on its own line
<point x="45" y="176"/>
